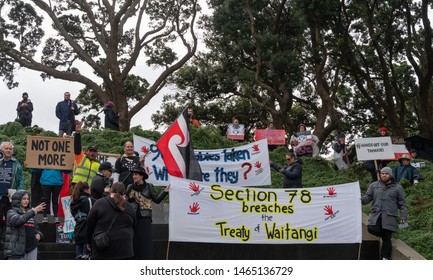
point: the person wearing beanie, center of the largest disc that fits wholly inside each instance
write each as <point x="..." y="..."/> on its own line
<point x="383" y="131"/>
<point x="24" y="111"/>
<point x="387" y="198"/>
<point x="111" y="118"/>
<point x="406" y="171"/>
<point x="340" y="152"/>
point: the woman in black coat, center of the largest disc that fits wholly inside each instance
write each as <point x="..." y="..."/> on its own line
<point x="81" y="203"/>
<point x="141" y="195"/>
<point x="115" y="210"/>
<point x="111" y="118"/>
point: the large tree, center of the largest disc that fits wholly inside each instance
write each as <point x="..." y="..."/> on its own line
<point x="98" y="44"/>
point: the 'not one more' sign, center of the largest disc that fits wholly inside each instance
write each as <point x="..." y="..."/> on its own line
<point x="49" y="153"/>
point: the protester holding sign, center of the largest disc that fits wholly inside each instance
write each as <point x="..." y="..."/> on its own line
<point x="340" y="152"/>
<point x="81" y="203"/>
<point x="22" y="233"/>
<point x="141" y="195"/>
<point x="387" y="199"/>
<point x="235" y="131"/>
<point x="304" y="143"/>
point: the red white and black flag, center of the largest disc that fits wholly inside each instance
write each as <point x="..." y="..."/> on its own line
<point x="177" y="151"/>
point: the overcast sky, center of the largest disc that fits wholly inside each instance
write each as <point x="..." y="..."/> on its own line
<point x="46" y="95"/>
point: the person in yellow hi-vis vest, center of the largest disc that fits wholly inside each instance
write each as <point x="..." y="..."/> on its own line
<point x="86" y="165"/>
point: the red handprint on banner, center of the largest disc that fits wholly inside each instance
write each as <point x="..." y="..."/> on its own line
<point x="194" y="207"/>
<point x="194" y="187"/>
<point x="331" y="191"/>
<point x="257" y="164"/>
<point x="256" y="148"/>
<point x="328" y="210"/>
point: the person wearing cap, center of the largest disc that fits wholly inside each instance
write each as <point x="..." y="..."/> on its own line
<point x="111" y="118"/>
<point x="87" y="166"/>
<point x="141" y="195"/>
<point x="340" y="152"/>
<point x="406" y="171"/>
<point x="102" y="181"/>
<point x="127" y="162"/>
<point x="387" y="198"/>
<point x="66" y="111"/>
<point x="24" y="111"/>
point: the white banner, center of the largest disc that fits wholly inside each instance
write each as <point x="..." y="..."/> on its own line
<point x="245" y="165"/>
<point x="201" y="212"/>
<point x="69" y="224"/>
<point x="374" y="148"/>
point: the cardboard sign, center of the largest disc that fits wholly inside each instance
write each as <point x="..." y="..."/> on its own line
<point x="374" y="148"/>
<point x="50" y="153"/>
<point x="274" y="136"/>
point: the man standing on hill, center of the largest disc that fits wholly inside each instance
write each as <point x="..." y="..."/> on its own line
<point x="66" y="111"/>
<point x="387" y="199"/>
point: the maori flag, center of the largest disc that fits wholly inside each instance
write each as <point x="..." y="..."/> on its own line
<point x="177" y="152"/>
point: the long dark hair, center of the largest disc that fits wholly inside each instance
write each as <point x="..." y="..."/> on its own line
<point x="118" y="190"/>
<point x="79" y="189"/>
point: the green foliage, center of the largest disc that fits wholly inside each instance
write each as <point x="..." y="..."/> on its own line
<point x="317" y="171"/>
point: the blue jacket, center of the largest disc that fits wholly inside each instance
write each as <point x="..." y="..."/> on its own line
<point x="64" y="113"/>
<point x="52" y="177"/>
<point x="405" y="172"/>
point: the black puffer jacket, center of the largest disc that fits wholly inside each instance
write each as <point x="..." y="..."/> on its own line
<point x="17" y="221"/>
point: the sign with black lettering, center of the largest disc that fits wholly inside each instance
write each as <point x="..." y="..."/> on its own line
<point x="374" y="148"/>
<point x="49" y="153"/>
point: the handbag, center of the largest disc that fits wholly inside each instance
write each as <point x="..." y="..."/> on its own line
<point x="102" y="239"/>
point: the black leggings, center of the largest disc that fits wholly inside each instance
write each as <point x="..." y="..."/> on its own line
<point x="50" y="194"/>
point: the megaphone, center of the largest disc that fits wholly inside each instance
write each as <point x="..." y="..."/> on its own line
<point x="2" y="155"/>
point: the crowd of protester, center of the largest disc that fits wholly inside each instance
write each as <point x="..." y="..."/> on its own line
<point x="123" y="209"/>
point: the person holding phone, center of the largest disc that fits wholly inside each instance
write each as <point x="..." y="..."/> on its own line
<point x="22" y="233"/>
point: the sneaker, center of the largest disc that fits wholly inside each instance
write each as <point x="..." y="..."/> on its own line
<point x="45" y="220"/>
